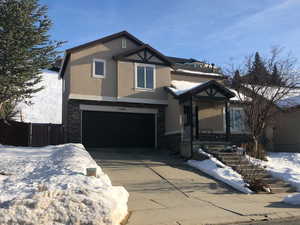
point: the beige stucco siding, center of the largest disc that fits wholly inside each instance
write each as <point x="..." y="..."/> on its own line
<point x="286" y="133"/>
<point x="126" y="82"/>
<point x="81" y="63"/>
<point x="173" y="115"/>
<point x="211" y="117"/>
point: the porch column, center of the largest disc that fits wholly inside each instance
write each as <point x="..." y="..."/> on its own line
<point x="191" y="125"/>
<point x="227" y="118"/>
<point x="197" y="122"/>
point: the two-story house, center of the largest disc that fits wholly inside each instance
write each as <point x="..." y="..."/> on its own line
<point x="121" y="92"/>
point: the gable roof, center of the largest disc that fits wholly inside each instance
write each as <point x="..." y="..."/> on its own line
<point x="179" y="65"/>
<point x="106" y="39"/>
<point x="144" y="47"/>
<point x="182" y="89"/>
<point x="98" y="41"/>
<point x="182" y="60"/>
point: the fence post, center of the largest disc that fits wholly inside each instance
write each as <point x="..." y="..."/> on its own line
<point x="49" y="134"/>
<point x="62" y="134"/>
<point x="30" y="135"/>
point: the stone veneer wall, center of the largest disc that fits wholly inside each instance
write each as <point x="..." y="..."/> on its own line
<point x="73" y="126"/>
<point x="172" y="142"/>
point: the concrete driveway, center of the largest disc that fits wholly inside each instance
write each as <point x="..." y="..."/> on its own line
<point x="165" y="191"/>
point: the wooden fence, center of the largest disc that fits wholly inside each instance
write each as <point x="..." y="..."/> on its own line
<point x="30" y="134"/>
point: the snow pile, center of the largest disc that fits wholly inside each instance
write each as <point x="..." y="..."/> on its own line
<point x="218" y="170"/>
<point x="47" y="103"/>
<point x="179" y="87"/>
<point x="292" y="100"/>
<point x="48" y="185"/>
<point x="199" y="72"/>
<point x="284" y="166"/>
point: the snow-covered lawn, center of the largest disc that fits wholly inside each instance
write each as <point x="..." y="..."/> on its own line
<point x="46" y="104"/>
<point x="218" y="170"/>
<point x="284" y="166"/>
<point x="48" y="185"/>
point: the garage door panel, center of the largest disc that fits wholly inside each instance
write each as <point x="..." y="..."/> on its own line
<point x="112" y="129"/>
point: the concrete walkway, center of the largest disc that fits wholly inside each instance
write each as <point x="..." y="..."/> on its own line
<point x="165" y="191"/>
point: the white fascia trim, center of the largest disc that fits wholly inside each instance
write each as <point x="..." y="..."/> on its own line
<point x="63" y="62"/>
<point x="198" y="72"/>
<point x="118" y="99"/>
<point x="173" y="132"/>
<point x="142" y="100"/>
<point x="84" y="107"/>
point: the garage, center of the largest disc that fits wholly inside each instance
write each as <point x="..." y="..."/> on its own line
<point x="118" y="129"/>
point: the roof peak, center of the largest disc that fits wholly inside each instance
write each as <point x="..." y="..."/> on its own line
<point x="106" y="39"/>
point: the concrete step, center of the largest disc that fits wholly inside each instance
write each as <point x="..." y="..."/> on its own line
<point x="230" y="157"/>
<point x="248" y="171"/>
<point x="227" y="153"/>
<point x="236" y="160"/>
<point x="273" y="181"/>
<point x="282" y="189"/>
<point x="244" y="167"/>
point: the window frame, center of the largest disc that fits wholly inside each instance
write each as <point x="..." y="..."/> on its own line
<point x="136" y="77"/>
<point x="243" y="128"/>
<point x="94" y="68"/>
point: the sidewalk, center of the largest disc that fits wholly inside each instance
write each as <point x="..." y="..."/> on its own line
<point x="173" y="193"/>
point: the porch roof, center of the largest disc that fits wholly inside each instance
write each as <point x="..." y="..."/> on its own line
<point x="208" y="89"/>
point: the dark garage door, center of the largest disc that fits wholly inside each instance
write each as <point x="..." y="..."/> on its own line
<point x="113" y="129"/>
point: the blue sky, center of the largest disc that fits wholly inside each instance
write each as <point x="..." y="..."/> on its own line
<point x="218" y="31"/>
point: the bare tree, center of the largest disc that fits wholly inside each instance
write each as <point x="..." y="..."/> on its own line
<point x="261" y="83"/>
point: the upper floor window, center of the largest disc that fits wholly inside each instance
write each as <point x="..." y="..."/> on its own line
<point x="145" y="76"/>
<point x="99" y="68"/>
<point x="237" y="120"/>
<point x="124" y="44"/>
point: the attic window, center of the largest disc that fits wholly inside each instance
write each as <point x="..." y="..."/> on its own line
<point x="124" y="43"/>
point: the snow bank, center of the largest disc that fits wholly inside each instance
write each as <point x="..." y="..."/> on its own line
<point x="292" y="199"/>
<point x="180" y="87"/>
<point x="199" y="72"/>
<point x="284" y="166"/>
<point x="47" y="103"/>
<point x="48" y="186"/>
<point x="218" y="170"/>
<point x="290" y="101"/>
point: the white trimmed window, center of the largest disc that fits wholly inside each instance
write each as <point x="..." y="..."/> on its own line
<point x="145" y="76"/>
<point x="237" y="120"/>
<point x="99" y="68"/>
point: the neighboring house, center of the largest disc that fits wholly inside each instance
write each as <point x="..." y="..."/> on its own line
<point x="284" y="135"/>
<point x="46" y="104"/>
<point x="121" y="92"/>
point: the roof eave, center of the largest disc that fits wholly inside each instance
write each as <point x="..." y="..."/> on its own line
<point x="106" y="39"/>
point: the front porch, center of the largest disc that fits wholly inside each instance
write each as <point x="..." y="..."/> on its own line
<point x="206" y="118"/>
